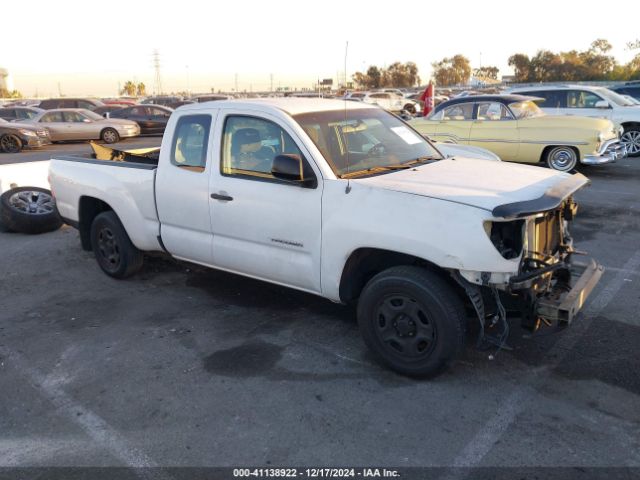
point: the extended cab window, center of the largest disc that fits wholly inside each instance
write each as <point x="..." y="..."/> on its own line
<point x="189" y="149"/>
<point x="250" y="144"/>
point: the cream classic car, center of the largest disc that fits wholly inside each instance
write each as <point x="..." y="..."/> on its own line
<point x="515" y="129"/>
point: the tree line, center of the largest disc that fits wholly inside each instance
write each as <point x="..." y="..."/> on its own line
<point x="132" y="89"/>
<point x="593" y="64"/>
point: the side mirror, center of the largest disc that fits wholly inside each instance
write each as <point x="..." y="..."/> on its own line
<point x="602" y="104"/>
<point x="288" y="167"/>
<point x="86" y="120"/>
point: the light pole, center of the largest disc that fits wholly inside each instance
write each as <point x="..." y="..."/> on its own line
<point x="188" y="87"/>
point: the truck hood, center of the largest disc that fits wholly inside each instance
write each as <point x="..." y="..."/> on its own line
<point x="505" y="189"/>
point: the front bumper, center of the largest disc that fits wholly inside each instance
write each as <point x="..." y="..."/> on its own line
<point x="609" y="152"/>
<point x="129" y="132"/>
<point x="35" y="142"/>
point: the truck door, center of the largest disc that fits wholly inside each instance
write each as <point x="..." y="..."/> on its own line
<point x="182" y="187"/>
<point x="264" y="227"/>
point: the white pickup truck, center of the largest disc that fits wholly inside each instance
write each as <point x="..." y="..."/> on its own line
<point x="343" y="200"/>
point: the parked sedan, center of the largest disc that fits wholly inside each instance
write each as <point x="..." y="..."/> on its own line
<point x="387" y="100"/>
<point x="107" y="110"/>
<point x="18" y="114"/>
<point x="79" y="124"/>
<point x="151" y="118"/>
<point x="16" y="136"/>
<point x="515" y="129"/>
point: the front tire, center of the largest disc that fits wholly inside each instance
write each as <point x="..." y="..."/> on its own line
<point x="112" y="247"/>
<point x="562" y="159"/>
<point x="631" y="139"/>
<point x="412" y="321"/>
<point x="10" y="143"/>
<point x="109" y="135"/>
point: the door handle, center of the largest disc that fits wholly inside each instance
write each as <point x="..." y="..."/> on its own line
<point x="219" y="196"/>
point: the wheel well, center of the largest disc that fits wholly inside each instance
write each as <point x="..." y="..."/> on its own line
<point x="543" y="157"/>
<point x="626" y="125"/>
<point x="89" y="209"/>
<point x="364" y="263"/>
<point x="107" y="128"/>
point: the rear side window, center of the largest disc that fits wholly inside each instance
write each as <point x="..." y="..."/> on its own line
<point x="85" y="104"/>
<point x="189" y="149"/>
<point x="459" y="111"/>
<point x="8" y="114"/>
<point x="52" y="117"/>
<point x="552" y="98"/>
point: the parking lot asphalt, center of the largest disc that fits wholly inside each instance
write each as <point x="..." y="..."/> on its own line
<point x="184" y="366"/>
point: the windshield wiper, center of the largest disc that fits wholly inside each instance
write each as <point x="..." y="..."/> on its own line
<point x="385" y="168"/>
<point x="425" y="159"/>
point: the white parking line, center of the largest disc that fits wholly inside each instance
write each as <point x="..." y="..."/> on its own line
<point x="515" y="403"/>
<point x="97" y="428"/>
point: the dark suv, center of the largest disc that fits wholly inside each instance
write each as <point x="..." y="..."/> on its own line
<point x="88" y="103"/>
<point x="630" y="88"/>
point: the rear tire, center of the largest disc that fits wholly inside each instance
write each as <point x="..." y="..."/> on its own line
<point x="10" y="143"/>
<point x="112" y="247"/>
<point x="109" y="135"/>
<point x="410" y="108"/>
<point x="412" y="320"/>
<point x="29" y="210"/>
<point x="562" y="158"/>
<point x="631" y="139"/>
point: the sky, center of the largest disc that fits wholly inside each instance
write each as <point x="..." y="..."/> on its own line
<point x="91" y="47"/>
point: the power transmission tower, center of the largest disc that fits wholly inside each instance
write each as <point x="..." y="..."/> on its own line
<point x="158" y="79"/>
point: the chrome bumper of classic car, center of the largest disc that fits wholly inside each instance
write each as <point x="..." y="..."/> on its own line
<point x="609" y="152"/>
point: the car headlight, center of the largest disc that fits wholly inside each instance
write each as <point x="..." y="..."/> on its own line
<point x="28" y="133"/>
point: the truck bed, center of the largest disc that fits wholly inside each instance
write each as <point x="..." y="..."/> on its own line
<point x="127" y="187"/>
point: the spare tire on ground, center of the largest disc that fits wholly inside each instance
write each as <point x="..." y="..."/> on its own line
<point x="29" y="210"/>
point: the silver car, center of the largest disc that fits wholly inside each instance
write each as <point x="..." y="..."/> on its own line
<point x="80" y="124"/>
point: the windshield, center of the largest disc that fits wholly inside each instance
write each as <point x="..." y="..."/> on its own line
<point x="614" y="97"/>
<point x="526" y="109"/>
<point x="92" y="115"/>
<point x="368" y="141"/>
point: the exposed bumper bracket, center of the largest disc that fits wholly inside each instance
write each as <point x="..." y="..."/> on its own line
<point x="562" y="306"/>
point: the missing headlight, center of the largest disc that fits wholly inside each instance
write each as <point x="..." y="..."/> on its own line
<point x="507" y="237"/>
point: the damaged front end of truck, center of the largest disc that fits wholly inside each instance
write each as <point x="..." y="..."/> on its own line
<point x="553" y="279"/>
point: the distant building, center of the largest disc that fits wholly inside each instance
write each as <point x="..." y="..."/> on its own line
<point x="5" y="80"/>
<point x="482" y="82"/>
